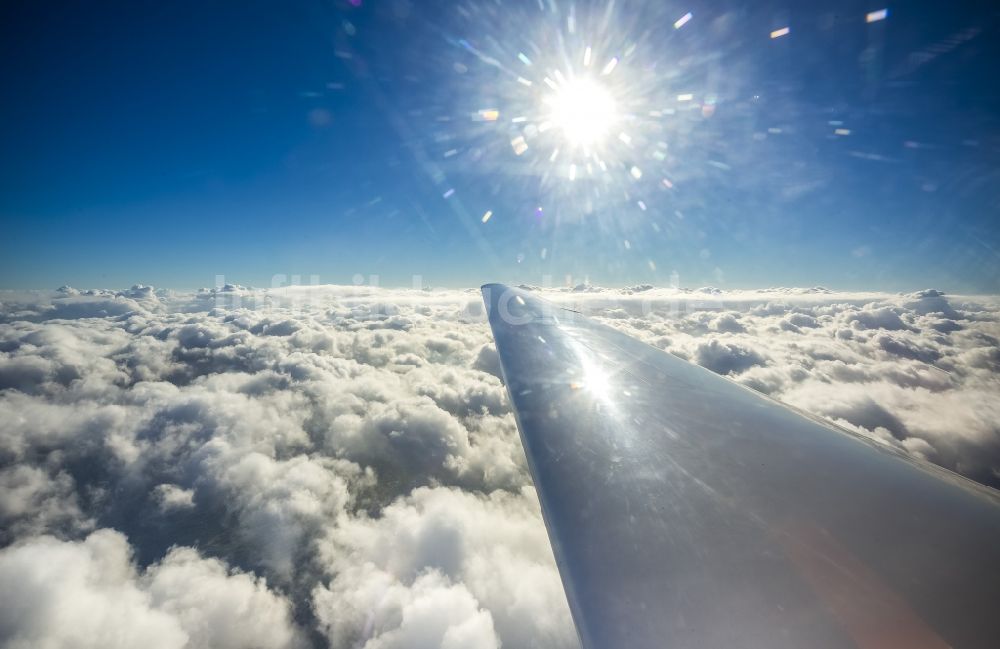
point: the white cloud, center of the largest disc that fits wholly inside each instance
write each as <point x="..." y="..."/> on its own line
<point x="217" y="607"/>
<point x="170" y="497"/>
<point x="90" y="594"/>
<point x="727" y="358"/>
<point x="354" y="448"/>
<point x="429" y="613"/>
<point x="495" y="546"/>
<point x="33" y="501"/>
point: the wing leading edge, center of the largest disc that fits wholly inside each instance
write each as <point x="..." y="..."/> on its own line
<point x="685" y="510"/>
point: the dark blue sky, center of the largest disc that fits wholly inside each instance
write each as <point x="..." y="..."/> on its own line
<point x="167" y="143"/>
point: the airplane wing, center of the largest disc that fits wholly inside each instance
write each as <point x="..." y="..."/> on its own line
<point x="685" y="510"/>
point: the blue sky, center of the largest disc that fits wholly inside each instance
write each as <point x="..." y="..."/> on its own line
<point x="168" y="143"/>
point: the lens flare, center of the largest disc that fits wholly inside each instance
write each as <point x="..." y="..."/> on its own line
<point x="583" y="110"/>
<point x="607" y="114"/>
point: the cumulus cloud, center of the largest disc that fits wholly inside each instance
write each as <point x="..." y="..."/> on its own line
<point x="727" y="358"/>
<point x="89" y="593"/>
<point x="340" y="466"/>
<point x="430" y="612"/>
<point x="476" y="550"/>
<point x="32" y="501"/>
<point x="876" y="318"/>
<point x="170" y="496"/>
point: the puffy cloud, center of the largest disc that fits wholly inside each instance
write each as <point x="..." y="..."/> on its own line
<point x="494" y="546"/>
<point x="218" y="607"/>
<point x="876" y="318"/>
<point x="728" y="322"/>
<point x="340" y="464"/>
<point x="431" y="612"/>
<point x="89" y="593"/>
<point x="488" y="360"/>
<point x="170" y="496"/>
<point x="32" y="501"/>
<point x="802" y="320"/>
<point x="930" y="301"/>
<point x="279" y="505"/>
<point x="907" y="350"/>
<point x="727" y="358"/>
<point x="248" y="432"/>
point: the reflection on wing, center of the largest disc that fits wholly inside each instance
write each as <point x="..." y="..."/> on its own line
<point x="685" y="510"/>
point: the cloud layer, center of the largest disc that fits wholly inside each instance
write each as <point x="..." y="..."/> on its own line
<point x="338" y="466"/>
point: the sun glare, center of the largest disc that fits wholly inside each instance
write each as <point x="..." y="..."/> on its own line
<point x="583" y="110"/>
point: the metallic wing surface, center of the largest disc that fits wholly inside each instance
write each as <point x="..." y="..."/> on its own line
<point x="685" y="510"/>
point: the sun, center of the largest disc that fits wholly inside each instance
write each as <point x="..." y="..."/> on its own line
<point x="583" y="110"/>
